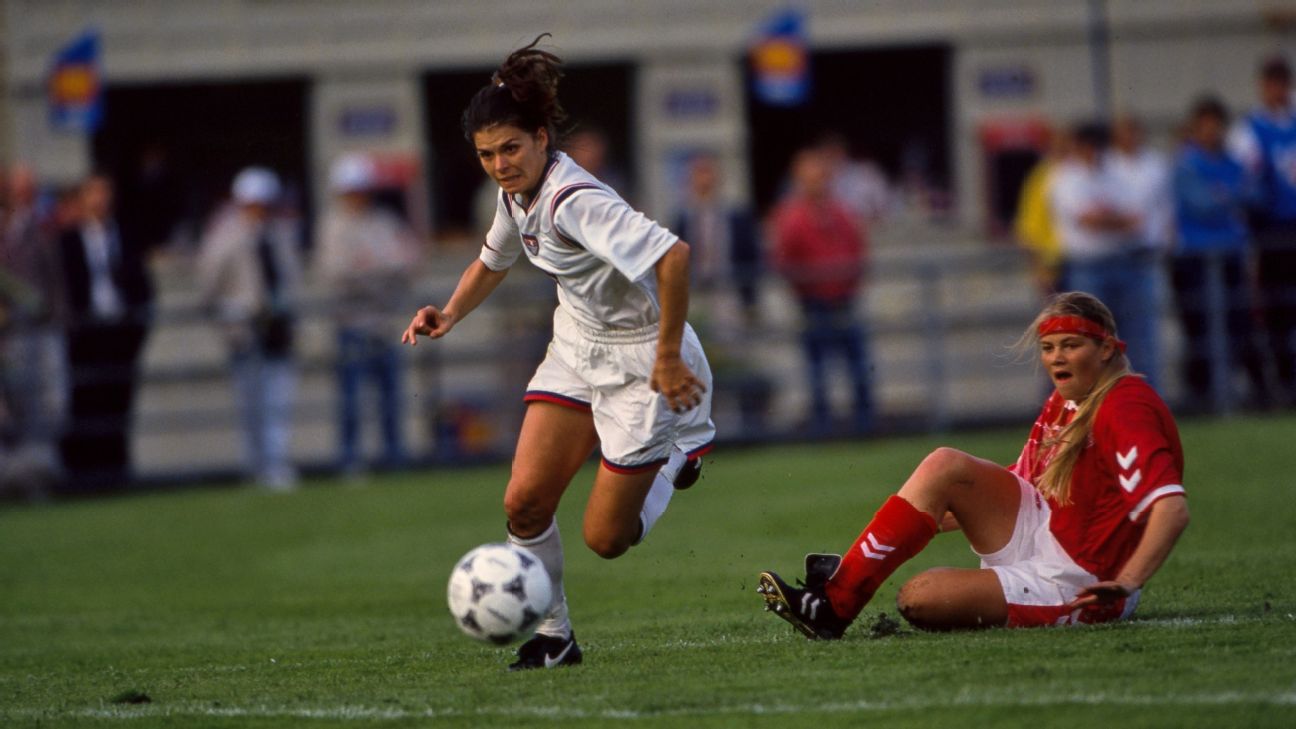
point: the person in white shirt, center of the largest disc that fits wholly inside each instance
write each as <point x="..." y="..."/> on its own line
<point x="366" y="254"/>
<point x="1102" y="244"/>
<point x="1141" y="175"/>
<point x="249" y="273"/>
<point x="624" y="371"/>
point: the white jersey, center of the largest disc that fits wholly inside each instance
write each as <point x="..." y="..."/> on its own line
<point x="599" y="249"/>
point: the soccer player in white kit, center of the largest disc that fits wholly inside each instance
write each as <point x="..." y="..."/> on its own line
<point x="1070" y="533"/>
<point x="624" y="371"/>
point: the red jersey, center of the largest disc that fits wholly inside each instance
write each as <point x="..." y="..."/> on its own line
<point x="1132" y="459"/>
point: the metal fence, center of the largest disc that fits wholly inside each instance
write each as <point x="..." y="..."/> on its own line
<point x="940" y="323"/>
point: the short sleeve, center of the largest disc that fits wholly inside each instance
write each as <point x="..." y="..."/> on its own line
<point x="503" y="244"/>
<point x="606" y="226"/>
<point x="1141" y="450"/>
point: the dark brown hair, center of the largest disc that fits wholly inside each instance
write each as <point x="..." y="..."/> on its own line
<point x="523" y="92"/>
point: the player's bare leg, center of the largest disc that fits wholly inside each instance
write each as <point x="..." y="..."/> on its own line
<point x="982" y="495"/>
<point x="946" y="598"/>
<point x="613" y="516"/>
<point x="554" y="443"/>
<point x="983" y="498"/>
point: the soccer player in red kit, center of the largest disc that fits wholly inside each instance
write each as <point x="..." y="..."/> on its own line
<point x="1069" y="533"/>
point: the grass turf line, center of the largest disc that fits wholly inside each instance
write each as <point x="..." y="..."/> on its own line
<point x="229" y="607"/>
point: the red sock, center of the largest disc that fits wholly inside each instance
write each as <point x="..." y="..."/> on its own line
<point x="898" y="531"/>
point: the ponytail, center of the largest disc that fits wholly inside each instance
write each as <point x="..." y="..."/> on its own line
<point x="523" y="92"/>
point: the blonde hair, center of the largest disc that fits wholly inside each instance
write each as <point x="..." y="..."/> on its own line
<point x="1055" y="482"/>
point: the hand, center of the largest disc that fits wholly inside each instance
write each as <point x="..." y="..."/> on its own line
<point x="677" y="383"/>
<point x="1102" y="593"/>
<point x="431" y="322"/>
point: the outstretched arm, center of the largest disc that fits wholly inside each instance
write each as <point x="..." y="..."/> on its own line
<point x="671" y="377"/>
<point x="1166" y="521"/>
<point x="474" y="286"/>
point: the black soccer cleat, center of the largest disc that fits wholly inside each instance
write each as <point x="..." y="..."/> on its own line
<point x="807" y="609"/>
<point x="688" y="475"/>
<point x="819" y="569"/>
<point x="547" y="651"/>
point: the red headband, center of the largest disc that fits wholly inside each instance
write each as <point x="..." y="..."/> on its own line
<point x="1077" y="325"/>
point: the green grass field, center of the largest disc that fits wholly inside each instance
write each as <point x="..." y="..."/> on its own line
<point x="230" y="607"/>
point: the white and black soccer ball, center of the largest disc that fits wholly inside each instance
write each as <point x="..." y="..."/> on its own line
<point x="499" y="592"/>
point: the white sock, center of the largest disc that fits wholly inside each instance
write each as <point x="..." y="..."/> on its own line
<point x="655" y="503"/>
<point x="674" y="464"/>
<point x="548" y="547"/>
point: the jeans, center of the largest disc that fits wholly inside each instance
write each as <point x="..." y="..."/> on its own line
<point x="1239" y="346"/>
<point x="362" y="355"/>
<point x="1277" y="285"/>
<point x="1128" y="283"/>
<point x="830" y="327"/>
<point x="266" y="387"/>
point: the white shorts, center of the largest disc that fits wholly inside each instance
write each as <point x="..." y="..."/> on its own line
<point x="607" y="373"/>
<point x="1038" y="577"/>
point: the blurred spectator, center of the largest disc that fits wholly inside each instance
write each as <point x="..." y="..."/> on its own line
<point x="822" y="252"/>
<point x="1265" y="143"/>
<point x="365" y="258"/>
<point x="858" y="184"/>
<point x="110" y="297"/>
<point x="249" y="270"/>
<point x="1035" y="225"/>
<point x="33" y="369"/>
<point x="1103" y="242"/>
<point x="588" y="147"/>
<point x="725" y="249"/>
<point x="1143" y="190"/>
<point x="1212" y="192"/>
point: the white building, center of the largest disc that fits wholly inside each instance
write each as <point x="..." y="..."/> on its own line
<point x="363" y="68"/>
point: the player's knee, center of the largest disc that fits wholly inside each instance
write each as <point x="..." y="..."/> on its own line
<point x="527" y="516"/>
<point x="945" y="466"/>
<point x="606" y="543"/>
<point x="946" y="460"/>
<point x="916" y="602"/>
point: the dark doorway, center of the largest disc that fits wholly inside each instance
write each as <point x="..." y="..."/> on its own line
<point x="891" y="104"/>
<point x="599" y="99"/>
<point x="174" y="148"/>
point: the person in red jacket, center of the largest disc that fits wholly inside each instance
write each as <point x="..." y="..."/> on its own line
<point x="822" y="252"/>
<point x="1070" y="533"/>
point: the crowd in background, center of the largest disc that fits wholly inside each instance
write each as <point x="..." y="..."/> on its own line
<point x="1103" y="212"/>
<point x="1106" y="213"/>
<point x="76" y="304"/>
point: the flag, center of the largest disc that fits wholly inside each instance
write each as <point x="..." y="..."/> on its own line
<point x="780" y="60"/>
<point x="75" y="87"/>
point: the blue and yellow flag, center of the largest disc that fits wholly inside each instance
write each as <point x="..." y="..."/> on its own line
<point x="780" y="59"/>
<point x="75" y="87"/>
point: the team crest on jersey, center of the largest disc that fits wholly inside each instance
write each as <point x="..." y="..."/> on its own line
<point x="532" y="244"/>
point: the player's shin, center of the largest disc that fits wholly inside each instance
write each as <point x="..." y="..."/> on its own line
<point x="897" y="532"/>
<point x="548" y="547"/>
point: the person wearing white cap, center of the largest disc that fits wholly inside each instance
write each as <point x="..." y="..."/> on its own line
<point x="249" y="270"/>
<point x="365" y="258"/>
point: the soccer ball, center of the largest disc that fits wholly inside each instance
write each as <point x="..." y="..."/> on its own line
<point x="498" y="592"/>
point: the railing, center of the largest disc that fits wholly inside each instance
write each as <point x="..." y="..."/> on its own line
<point x="940" y="327"/>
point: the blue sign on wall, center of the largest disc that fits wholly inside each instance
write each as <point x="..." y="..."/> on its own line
<point x="780" y="60"/>
<point x="1006" y="82"/>
<point x="74" y="86"/>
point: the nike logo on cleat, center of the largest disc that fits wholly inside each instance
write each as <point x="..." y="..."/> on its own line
<point x="551" y="661"/>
